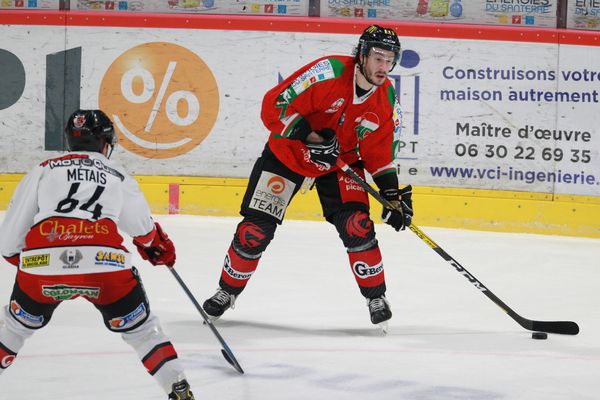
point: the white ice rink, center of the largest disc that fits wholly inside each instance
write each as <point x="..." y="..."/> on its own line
<point x="301" y="330"/>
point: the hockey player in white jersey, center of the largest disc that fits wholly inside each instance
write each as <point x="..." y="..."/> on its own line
<point x="61" y="231"/>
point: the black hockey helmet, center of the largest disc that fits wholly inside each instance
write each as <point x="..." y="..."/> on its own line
<point x="89" y="130"/>
<point x="382" y="38"/>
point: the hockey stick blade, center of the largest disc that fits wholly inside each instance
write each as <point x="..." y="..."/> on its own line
<point x="560" y="327"/>
<point x="226" y="351"/>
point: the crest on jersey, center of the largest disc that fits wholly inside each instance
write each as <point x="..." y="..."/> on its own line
<point x="335" y="106"/>
<point x="366" y="123"/>
<point x="71" y="258"/>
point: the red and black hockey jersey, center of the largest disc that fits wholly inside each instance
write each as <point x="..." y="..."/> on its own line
<point x="323" y="93"/>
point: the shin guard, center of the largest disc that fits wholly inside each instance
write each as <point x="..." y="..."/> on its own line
<point x="156" y="352"/>
<point x="367" y="268"/>
<point x="12" y="337"/>
<point x="251" y="238"/>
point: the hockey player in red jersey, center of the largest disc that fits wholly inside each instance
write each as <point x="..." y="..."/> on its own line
<point x="334" y="106"/>
<point x="61" y="231"/>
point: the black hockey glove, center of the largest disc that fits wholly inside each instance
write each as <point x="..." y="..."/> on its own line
<point x="325" y="153"/>
<point x="401" y="216"/>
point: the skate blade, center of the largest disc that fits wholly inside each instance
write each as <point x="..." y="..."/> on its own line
<point x="211" y="318"/>
<point x="383" y="327"/>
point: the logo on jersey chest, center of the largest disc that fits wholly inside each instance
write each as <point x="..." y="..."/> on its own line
<point x="366" y="123"/>
<point x="335" y="106"/>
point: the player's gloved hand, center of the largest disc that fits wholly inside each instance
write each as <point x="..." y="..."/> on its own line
<point x="326" y="152"/>
<point x="14" y="260"/>
<point x="401" y="216"/>
<point x="159" y="251"/>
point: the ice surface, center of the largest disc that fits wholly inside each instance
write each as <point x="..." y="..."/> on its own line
<point x="301" y="330"/>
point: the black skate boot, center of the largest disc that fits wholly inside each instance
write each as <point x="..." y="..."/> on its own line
<point x="181" y="391"/>
<point x="380" y="311"/>
<point x="219" y="303"/>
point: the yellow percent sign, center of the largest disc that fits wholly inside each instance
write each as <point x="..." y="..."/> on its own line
<point x="163" y="99"/>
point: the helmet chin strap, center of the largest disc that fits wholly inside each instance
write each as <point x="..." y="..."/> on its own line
<point x="362" y="72"/>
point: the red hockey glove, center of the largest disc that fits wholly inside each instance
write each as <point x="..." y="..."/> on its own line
<point x="160" y="251"/>
<point x="401" y="216"/>
<point x="14" y="260"/>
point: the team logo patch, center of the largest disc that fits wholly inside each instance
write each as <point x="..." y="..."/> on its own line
<point x="272" y="194"/>
<point x="6" y="357"/>
<point x="364" y="270"/>
<point x="110" y="258"/>
<point x="68" y="292"/>
<point x="32" y="321"/>
<point x="71" y="258"/>
<point x="6" y="361"/>
<point x="250" y="234"/>
<point x="129" y="320"/>
<point x="335" y="106"/>
<point x="38" y="260"/>
<point x="359" y="225"/>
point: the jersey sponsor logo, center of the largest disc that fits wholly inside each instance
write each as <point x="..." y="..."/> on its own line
<point x="349" y="184"/>
<point x="272" y="194"/>
<point x="235" y="274"/>
<point x="276" y="184"/>
<point x="364" y="270"/>
<point x="129" y="320"/>
<point x="110" y="258"/>
<point x="38" y="260"/>
<point x="359" y="225"/>
<point x="71" y="258"/>
<point x="29" y="320"/>
<point x="62" y="292"/>
<point x="321" y="71"/>
<point x="81" y="230"/>
<point x="335" y="106"/>
<point x="81" y="160"/>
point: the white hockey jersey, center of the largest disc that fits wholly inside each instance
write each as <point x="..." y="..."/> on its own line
<point x="65" y="216"/>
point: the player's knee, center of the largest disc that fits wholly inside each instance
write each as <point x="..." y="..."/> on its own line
<point x="28" y="312"/>
<point x="128" y="313"/>
<point x="253" y="235"/>
<point x="356" y="230"/>
<point x="147" y="332"/>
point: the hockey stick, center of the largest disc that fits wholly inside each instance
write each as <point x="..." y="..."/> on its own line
<point x="226" y="351"/>
<point x="561" y="327"/>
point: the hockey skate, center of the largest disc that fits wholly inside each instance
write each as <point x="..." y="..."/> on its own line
<point x="218" y="304"/>
<point x="181" y="391"/>
<point x="379" y="307"/>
